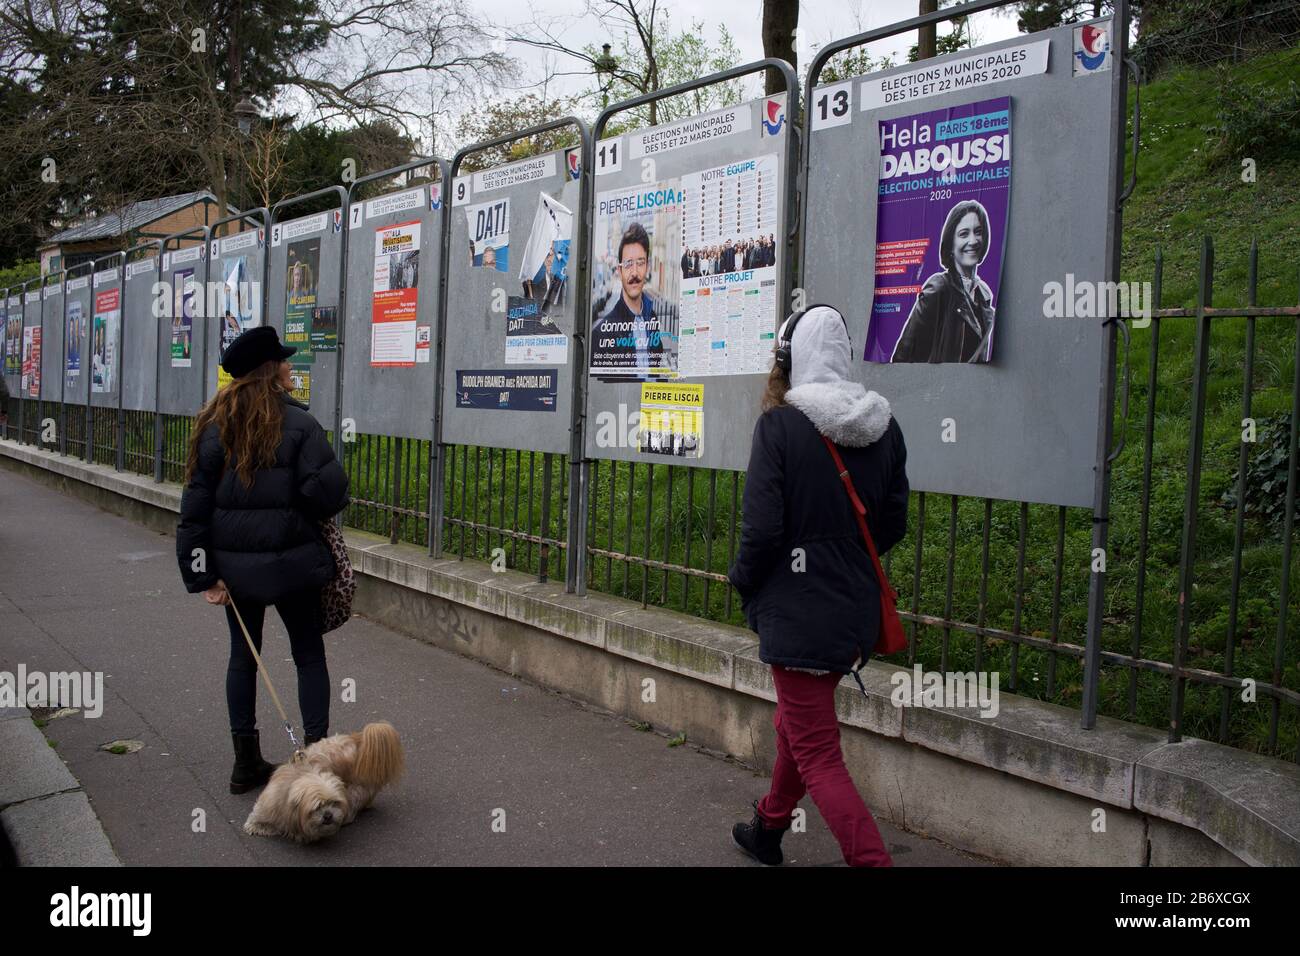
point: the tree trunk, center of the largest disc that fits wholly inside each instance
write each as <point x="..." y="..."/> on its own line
<point x="925" y="36"/>
<point x="780" y="20"/>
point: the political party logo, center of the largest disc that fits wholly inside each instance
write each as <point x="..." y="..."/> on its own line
<point x="573" y="161"/>
<point x="1091" y="48"/>
<point x="435" y="196"/>
<point x="261" y="238"/>
<point x="338" y="220"/>
<point x="774" y="116"/>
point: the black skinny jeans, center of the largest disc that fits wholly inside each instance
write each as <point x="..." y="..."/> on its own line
<point x="301" y="613"/>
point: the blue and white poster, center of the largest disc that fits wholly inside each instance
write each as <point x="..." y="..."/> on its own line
<point x="520" y="391"/>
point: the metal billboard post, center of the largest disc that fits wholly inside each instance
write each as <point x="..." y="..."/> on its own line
<point x="120" y="440"/>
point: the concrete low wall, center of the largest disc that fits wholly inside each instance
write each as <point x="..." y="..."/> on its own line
<point x="1026" y="787"/>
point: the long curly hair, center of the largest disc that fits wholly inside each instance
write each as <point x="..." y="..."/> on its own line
<point x="249" y="415"/>
<point x="778" y="383"/>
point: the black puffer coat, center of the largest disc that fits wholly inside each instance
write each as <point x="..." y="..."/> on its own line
<point x="263" y="541"/>
<point x="803" y="572"/>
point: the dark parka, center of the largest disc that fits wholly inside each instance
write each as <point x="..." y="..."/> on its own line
<point x="263" y="541"/>
<point x="946" y="324"/>
<point x="803" y="572"/>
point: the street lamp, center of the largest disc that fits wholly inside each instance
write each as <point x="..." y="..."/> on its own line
<point x="245" y="116"/>
<point x="605" y="67"/>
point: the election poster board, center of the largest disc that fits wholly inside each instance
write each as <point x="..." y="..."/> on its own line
<point x="510" y="309"/>
<point x="140" y="340"/>
<point x="238" y="263"/>
<point x="183" y="325"/>
<point x="305" y="275"/>
<point x="105" y="351"/>
<point x="71" y="343"/>
<point x="689" y="266"/>
<point x="394" y="254"/>
<point x="52" y="355"/>
<point x="944" y="197"/>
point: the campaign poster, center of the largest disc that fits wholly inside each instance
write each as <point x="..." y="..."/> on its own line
<point x="941" y="226"/>
<point x="241" y="310"/>
<point x="103" y="339"/>
<point x="396" y="295"/>
<point x="324" y="329"/>
<point x="520" y="391"/>
<point x="636" y="284"/>
<point x="76" y="328"/>
<point x="671" y="420"/>
<point x="544" y="265"/>
<point x="531" y="335"/>
<point x="184" y="293"/>
<point x="300" y="375"/>
<point x="31" y="364"/>
<point x="301" y="274"/>
<point x="489" y="234"/>
<point x="13" y="336"/>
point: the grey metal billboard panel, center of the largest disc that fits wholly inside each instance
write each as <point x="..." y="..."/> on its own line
<point x="711" y="154"/>
<point x="483" y="301"/>
<point x="104" y="352"/>
<point x="74" y="338"/>
<point x="181" y="371"/>
<point x="140" y="336"/>
<point x="1025" y="423"/>
<point x="238" y="263"/>
<point x="52" y="341"/>
<point x="392" y="399"/>
<point x="316" y="241"/>
<point x="10" y="339"/>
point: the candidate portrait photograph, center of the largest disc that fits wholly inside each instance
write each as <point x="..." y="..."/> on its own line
<point x="952" y="318"/>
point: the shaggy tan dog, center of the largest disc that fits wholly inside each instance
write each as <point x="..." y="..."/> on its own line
<point x="334" y="779"/>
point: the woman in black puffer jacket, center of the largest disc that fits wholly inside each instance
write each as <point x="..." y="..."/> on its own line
<point x="260" y="478"/>
<point x="805" y="577"/>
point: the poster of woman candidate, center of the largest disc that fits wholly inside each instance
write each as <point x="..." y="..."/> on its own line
<point x="103" y="352"/>
<point x="76" y="331"/>
<point x="941" y="223"/>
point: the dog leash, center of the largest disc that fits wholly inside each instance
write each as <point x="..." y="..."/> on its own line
<point x="261" y="669"/>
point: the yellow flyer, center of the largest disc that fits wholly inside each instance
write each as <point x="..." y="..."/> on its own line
<point x="672" y="417"/>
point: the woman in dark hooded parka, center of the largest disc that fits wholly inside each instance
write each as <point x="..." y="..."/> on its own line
<point x="804" y="574"/>
<point x="260" y="478"/>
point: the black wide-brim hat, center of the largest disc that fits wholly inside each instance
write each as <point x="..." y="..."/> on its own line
<point x="253" y="347"/>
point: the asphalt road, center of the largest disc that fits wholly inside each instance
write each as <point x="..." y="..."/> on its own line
<point x="84" y="590"/>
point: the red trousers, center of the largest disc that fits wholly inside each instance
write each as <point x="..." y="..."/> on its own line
<point x="808" y="760"/>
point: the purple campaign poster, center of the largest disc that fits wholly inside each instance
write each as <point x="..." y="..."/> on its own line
<point x="941" y="225"/>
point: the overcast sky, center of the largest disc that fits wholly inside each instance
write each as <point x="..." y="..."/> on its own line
<point x="820" y="21"/>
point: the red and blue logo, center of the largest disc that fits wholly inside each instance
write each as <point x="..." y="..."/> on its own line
<point x="573" y="161"/>
<point x="774" y="118"/>
<point x="1092" y="48"/>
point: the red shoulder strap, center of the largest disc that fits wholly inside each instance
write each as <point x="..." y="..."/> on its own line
<point x="859" y="512"/>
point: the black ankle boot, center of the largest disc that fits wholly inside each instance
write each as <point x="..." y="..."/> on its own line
<point x="250" y="769"/>
<point x="308" y="739"/>
<point x="759" y="840"/>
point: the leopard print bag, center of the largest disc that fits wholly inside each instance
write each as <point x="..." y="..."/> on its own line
<point x="336" y="597"/>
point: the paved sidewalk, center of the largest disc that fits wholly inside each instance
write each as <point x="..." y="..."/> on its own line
<point x="84" y="590"/>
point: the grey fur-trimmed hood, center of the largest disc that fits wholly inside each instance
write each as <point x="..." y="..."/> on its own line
<point x="820" y="384"/>
<point x="845" y="412"/>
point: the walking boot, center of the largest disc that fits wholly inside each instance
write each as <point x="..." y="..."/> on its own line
<point x="309" y="739"/>
<point x="250" y="769"/>
<point x="759" y="840"/>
